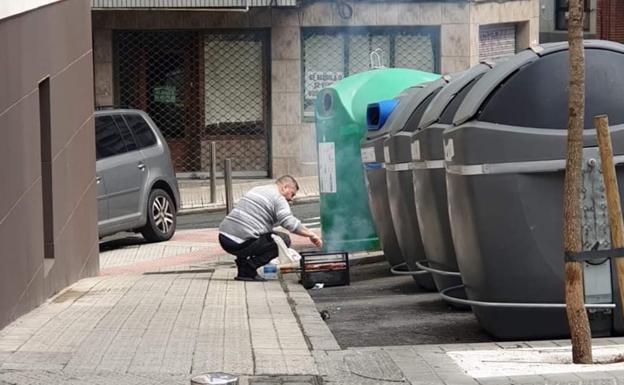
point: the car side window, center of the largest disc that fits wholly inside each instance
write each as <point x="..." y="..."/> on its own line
<point x="141" y="130"/>
<point x="128" y="139"/>
<point x="107" y="138"/>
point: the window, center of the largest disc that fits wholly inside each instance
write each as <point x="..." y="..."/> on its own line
<point x="45" y="140"/>
<point x="108" y="138"/>
<point x="126" y="135"/>
<point x="496" y="41"/>
<point x="141" y="130"/>
<point x="561" y="15"/>
<point x="330" y="54"/>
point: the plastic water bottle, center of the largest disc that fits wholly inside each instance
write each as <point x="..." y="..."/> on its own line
<point x="268" y="271"/>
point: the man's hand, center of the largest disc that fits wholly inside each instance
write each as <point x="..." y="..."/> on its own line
<point x="305" y="232"/>
<point x="316" y="240"/>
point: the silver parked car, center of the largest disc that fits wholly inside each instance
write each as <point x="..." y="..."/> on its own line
<point x="137" y="186"/>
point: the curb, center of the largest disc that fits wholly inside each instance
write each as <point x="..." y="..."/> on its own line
<point x="215" y="207"/>
<point x="366" y="259"/>
<point x="317" y="334"/>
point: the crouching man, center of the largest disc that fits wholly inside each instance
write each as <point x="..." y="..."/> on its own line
<point x="246" y="230"/>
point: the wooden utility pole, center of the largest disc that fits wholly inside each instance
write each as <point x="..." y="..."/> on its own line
<point x="616" y="223"/>
<point x="572" y="242"/>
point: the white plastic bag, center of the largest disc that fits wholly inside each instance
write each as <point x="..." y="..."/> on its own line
<point x="286" y="255"/>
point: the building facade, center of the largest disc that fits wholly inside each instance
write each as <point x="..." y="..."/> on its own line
<point x="610" y="17"/>
<point x="554" y="20"/>
<point x="246" y="77"/>
<point x="48" y="224"/>
<point x="602" y="20"/>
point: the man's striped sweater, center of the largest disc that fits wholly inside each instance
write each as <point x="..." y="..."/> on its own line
<point x="258" y="212"/>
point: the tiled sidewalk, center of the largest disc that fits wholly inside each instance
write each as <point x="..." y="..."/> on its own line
<point x="166" y="327"/>
<point x="158" y="326"/>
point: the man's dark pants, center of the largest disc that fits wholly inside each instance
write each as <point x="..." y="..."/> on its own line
<point x="252" y="254"/>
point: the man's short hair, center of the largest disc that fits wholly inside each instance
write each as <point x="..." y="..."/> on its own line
<point x="287" y="179"/>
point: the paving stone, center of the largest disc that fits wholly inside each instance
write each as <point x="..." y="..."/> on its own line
<point x="512" y="345"/>
<point x="414" y="368"/>
<point x="335" y="369"/>
<point x="459" y="347"/>
<point x="604" y="342"/>
<point x="542" y="344"/>
<point x="594" y="375"/>
<point x="495" y="381"/>
<point x="562" y="378"/>
<point x="102" y="378"/>
<point x="528" y="379"/>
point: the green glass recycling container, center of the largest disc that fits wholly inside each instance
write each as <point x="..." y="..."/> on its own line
<point x="340" y="113"/>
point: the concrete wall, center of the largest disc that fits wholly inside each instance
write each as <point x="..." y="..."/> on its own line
<point x="52" y="41"/>
<point x="293" y="149"/>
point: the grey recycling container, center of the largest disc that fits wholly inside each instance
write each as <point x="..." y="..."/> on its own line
<point x="430" y="177"/>
<point x="400" y="184"/>
<point x="505" y="162"/>
<point x="372" y="158"/>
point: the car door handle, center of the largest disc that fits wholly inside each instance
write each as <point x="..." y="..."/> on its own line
<point x="98" y="179"/>
<point x="141" y="166"/>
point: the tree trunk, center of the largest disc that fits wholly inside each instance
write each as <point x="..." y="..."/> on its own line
<point x="572" y="242"/>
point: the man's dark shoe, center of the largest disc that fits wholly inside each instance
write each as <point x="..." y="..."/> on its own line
<point x="245" y="268"/>
<point x="257" y="278"/>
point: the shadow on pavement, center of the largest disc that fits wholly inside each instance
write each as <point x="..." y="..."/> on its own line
<point x="121" y="240"/>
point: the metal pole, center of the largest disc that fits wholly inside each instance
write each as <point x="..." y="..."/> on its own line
<point x="213" y="172"/>
<point x="616" y="223"/>
<point x="229" y="198"/>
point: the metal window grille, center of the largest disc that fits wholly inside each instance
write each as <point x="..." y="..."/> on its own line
<point x="331" y="54"/>
<point x="198" y="87"/>
<point x="496" y="41"/>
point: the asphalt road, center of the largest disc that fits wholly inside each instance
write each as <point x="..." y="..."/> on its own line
<point x="381" y="309"/>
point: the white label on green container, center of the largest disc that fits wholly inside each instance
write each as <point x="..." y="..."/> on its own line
<point x="416" y="150"/>
<point x="327" y="167"/>
<point x="368" y="154"/>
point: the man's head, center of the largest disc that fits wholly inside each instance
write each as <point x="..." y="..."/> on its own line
<point x="287" y="186"/>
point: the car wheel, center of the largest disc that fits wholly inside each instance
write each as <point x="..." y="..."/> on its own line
<point x="161" y="217"/>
